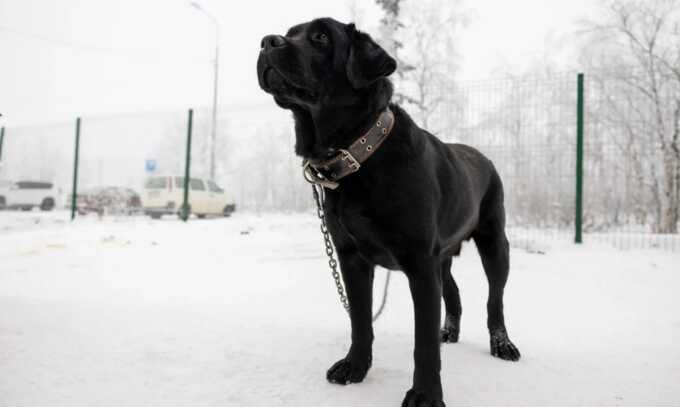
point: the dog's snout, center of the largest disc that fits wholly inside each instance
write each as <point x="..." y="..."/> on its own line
<point x="272" y="41"/>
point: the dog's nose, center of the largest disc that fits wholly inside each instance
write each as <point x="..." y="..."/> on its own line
<point x="272" y="41"/>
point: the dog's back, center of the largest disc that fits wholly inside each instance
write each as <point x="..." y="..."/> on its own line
<point x="475" y="164"/>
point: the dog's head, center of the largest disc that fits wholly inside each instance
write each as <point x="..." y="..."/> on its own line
<point x="322" y="63"/>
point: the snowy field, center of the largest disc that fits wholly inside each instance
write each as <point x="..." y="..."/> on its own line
<point x="242" y="312"/>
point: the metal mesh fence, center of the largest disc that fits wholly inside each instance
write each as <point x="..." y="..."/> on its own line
<point x="632" y="160"/>
<point x="114" y="150"/>
<point x="38" y="153"/>
<point x="526" y="125"/>
<point x="113" y="154"/>
<point x="261" y="164"/>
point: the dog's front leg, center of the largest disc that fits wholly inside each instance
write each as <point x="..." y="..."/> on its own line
<point x="424" y="279"/>
<point x="358" y="277"/>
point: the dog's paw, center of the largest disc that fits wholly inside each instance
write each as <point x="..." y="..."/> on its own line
<point x="501" y="347"/>
<point x="347" y="371"/>
<point x="449" y="335"/>
<point x="451" y="330"/>
<point x="415" y="398"/>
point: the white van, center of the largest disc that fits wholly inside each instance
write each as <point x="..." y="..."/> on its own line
<point x="4" y="191"/>
<point x="164" y="195"/>
<point x="26" y="195"/>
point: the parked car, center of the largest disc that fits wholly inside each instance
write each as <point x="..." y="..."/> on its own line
<point x="26" y="195"/>
<point x="4" y="191"/>
<point x="164" y="195"/>
<point x="109" y="200"/>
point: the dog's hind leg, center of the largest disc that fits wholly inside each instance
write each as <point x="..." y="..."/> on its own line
<point x="451" y="329"/>
<point x="493" y="248"/>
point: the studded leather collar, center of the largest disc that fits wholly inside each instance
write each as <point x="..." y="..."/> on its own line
<point x="347" y="161"/>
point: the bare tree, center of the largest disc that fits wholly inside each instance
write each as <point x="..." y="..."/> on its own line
<point x="422" y="38"/>
<point x="389" y="33"/>
<point x="356" y="13"/>
<point x="637" y="46"/>
<point x="430" y="30"/>
<point x="270" y="177"/>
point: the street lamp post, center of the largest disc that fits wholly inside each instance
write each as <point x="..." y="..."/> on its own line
<point x="216" y="65"/>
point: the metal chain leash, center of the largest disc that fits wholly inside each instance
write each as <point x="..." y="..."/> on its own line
<point x="333" y="263"/>
<point x="384" y="297"/>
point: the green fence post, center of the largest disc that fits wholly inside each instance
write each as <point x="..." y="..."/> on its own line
<point x="185" y="211"/>
<point x="74" y="192"/>
<point x="2" y="138"/>
<point x="578" y="216"/>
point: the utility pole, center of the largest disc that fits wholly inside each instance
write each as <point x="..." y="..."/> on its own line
<point x="216" y="65"/>
<point x="213" y="128"/>
<point x="2" y="138"/>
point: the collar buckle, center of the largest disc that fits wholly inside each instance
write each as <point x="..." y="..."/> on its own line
<point x="353" y="163"/>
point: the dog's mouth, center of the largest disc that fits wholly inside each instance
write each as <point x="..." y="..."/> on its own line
<point x="274" y="82"/>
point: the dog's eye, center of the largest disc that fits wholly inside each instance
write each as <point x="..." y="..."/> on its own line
<point x="320" y="37"/>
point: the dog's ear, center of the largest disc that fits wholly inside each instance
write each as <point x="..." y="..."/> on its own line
<point x="367" y="62"/>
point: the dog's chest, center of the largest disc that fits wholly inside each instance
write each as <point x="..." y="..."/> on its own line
<point x="356" y="227"/>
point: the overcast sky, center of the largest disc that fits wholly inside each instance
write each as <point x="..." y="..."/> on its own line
<point x="62" y="58"/>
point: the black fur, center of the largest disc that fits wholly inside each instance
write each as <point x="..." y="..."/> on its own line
<point x="410" y="206"/>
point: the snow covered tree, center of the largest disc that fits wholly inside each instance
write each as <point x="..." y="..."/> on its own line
<point x="431" y="58"/>
<point x="421" y="36"/>
<point x="635" y="51"/>
<point x="389" y="30"/>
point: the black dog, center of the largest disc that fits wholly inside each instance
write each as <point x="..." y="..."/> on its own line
<point x="409" y="207"/>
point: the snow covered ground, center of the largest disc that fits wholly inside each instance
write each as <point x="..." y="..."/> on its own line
<point x="242" y="312"/>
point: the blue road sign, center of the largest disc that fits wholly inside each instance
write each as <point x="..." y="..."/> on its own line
<point x="150" y="166"/>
